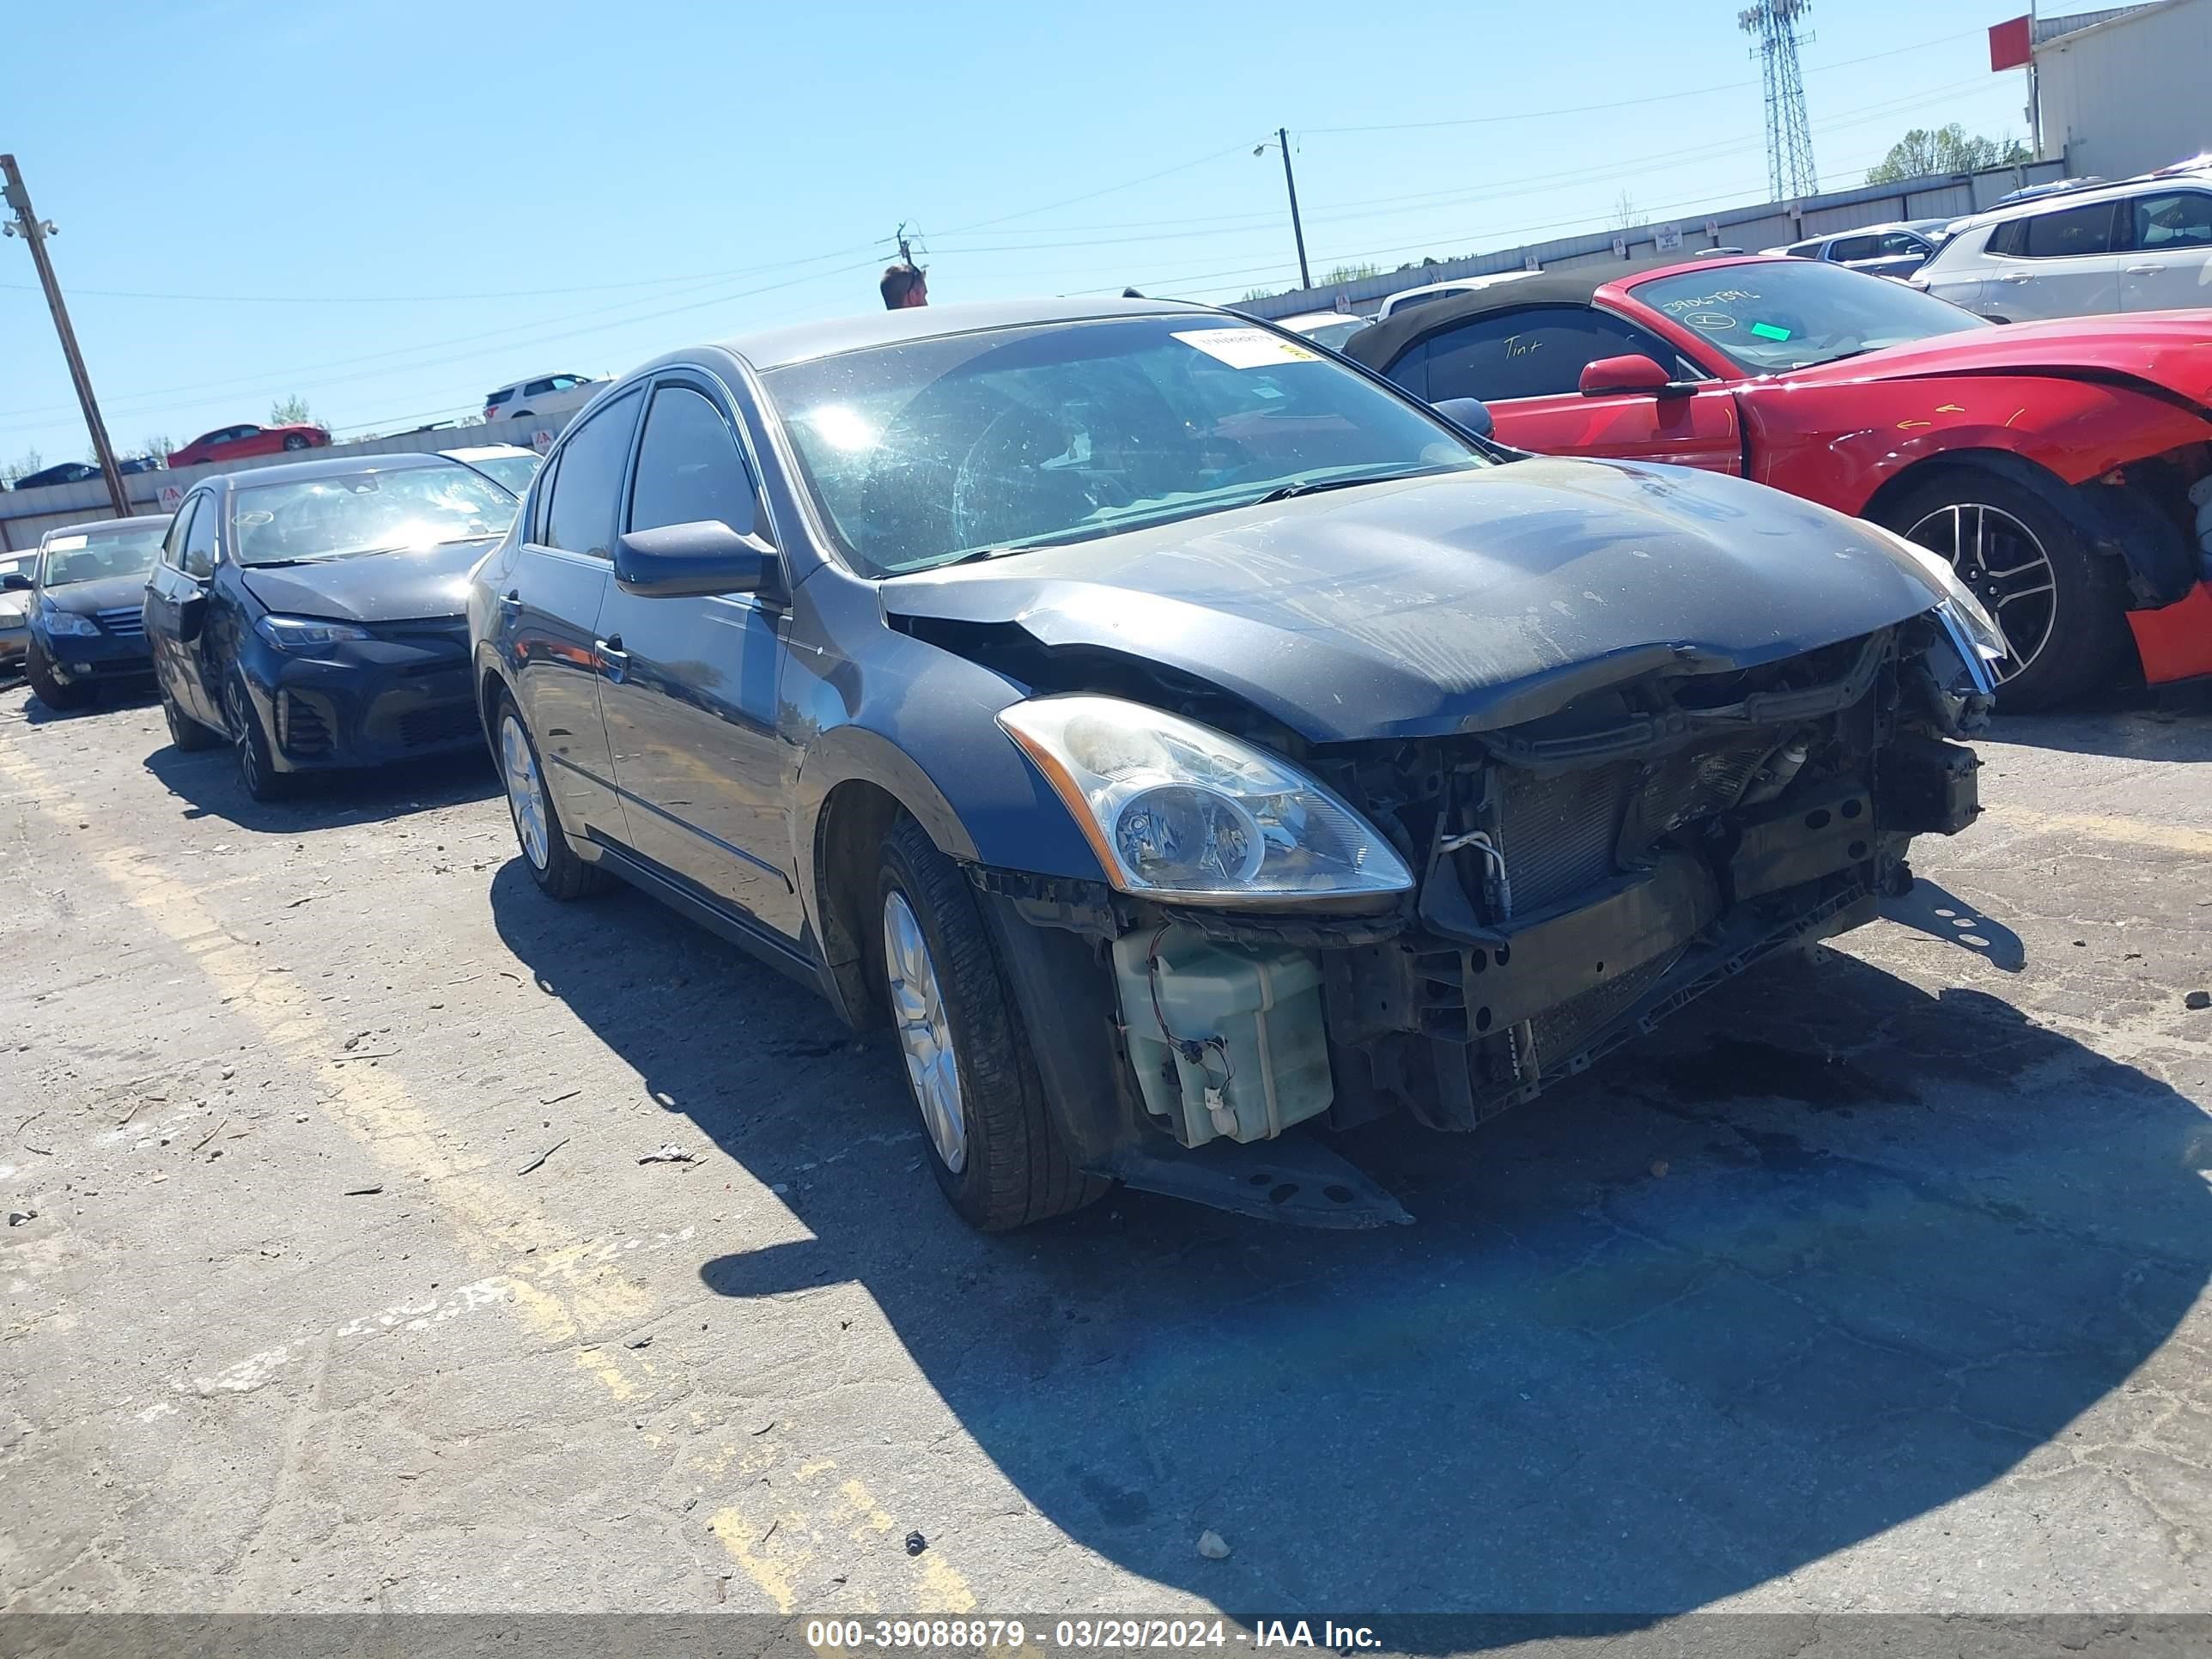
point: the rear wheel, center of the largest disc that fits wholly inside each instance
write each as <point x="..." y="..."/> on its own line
<point x="56" y="694"/>
<point x="992" y="1143"/>
<point x="553" y="863"/>
<point x="257" y="762"/>
<point x="295" y="440"/>
<point x="2062" y="606"/>
<point x="185" y="732"/>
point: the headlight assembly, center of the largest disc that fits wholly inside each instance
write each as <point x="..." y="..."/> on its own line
<point x="68" y="624"/>
<point x="1958" y="600"/>
<point x="307" y="633"/>
<point x="1178" y="810"/>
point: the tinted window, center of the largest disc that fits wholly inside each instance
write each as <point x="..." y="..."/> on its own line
<point x="1853" y="248"/>
<point x="537" y="388"/>
<point x="1902" y="242"/>
<point x="500" y="396"/>
<point x="2070" y="233"/>
<point x="1804" y="250"/>
<point x="689" y="466"/>
<point x="579" y="515"/>
<point x="1537" y="353"/>
<point x="2007" y="240"/>
<point x="172" y="544"/>
<point x="2179" y="219"/>
<point x="199" y="542"/>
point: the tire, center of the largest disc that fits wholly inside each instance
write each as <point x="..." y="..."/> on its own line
<point x="257" y="762"/>
<point x="39" y="669"/>
<point x="294" y="440"/>
<point x="1013" y="1167"/>
<point x="185" y="732"/>
<point x="2069" y="625"/>
<point x="552" y="863"/>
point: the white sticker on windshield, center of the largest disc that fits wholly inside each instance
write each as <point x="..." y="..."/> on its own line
<point x="1247" y="347"/>
<point x="66" y="544"/>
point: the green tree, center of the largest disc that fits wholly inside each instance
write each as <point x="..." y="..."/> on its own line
<point x="1945" y="149"/>
<point x="30" y="462"/>
<point x="1348" y="274"/>
<point x="289" y="411"/>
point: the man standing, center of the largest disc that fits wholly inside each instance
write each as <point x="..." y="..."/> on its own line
<point x="904" y="285"/>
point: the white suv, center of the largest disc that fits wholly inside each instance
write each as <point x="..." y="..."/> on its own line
<point x="2140" y="244"/>
<point x="547" y="394"/>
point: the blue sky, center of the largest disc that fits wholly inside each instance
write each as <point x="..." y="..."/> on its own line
<point x="391" y="211"/>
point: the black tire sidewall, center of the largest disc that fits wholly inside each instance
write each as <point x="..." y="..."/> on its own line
<point x="257" y="762"/>
<point x="38" y="669"/>
<point x="2089" y="635"/>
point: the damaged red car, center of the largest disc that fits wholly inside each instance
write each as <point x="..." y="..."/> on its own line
<point x="2051" y="463"/>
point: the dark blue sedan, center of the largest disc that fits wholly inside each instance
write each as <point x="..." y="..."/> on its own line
<point x="311" y="616"/>
<point x="83" y="610"/>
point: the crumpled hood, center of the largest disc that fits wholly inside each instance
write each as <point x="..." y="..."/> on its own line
<point x="1461" y="602"/>
<point x="107" y="593"/>
<point x="2169" y="349"/>
<point x="372" y="586"/>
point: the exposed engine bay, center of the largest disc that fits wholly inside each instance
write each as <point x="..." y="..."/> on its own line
<point x="1579" y="878"/>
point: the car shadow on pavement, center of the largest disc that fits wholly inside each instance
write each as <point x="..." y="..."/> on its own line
<point x="1825" y="1255"/>
<point x="207" y="782"/>
<point x="107" y="700"/>
<point x="2169" y="723"/>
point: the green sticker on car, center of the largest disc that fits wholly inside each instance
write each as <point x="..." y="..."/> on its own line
<point x="1768" y="331"/>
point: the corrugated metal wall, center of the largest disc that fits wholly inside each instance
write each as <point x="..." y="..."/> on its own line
<point x="27" y="514"/>
<point x="1770" y="224"/>
<point x="2128" y="95"/>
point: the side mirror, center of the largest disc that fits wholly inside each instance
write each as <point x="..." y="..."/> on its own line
<point x="680" y="561"/>
<point x="1471" y="414"/>
<point x="191" y="616"/>
<point x="1634" y="373"/>
<point x="15" y="582"/>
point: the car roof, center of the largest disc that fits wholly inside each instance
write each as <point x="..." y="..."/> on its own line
<point x="802" y="341"/>
<point x="2085" y="195"/>
<point x="1381" y="344"/>
<point x="347" y="466"/>
<point x="86" y="525"/>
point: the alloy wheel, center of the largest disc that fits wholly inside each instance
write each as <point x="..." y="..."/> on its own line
<point x="2002" y="562"/>
<point x="249" y="752"/>
<point x="925" y="1031"/>
<point x="526" y="790"/>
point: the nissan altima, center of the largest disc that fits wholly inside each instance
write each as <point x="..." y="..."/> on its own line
<point x="310" y="616"/>
<point x="1182" y="740"/>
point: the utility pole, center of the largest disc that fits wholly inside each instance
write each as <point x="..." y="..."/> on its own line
<point x="34" y="230"/>
<point x="1283" y="137"/>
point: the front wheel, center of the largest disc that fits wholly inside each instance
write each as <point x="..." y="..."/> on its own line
<point x="992" y="1144"/>
<point x="257" y="762"/>
<point x="57" y="694"/>
<point x="294" y="440"/>
<point x="553" y="863"/>
<point x="2062" y="606"/>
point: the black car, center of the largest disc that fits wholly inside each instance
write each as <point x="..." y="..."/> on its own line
<point x="85" y="626"/>
<point x="311" y="615"/>
<point x="1175" y="733"/>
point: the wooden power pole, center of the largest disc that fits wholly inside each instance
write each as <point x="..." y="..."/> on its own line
<point x="34" y="230"/>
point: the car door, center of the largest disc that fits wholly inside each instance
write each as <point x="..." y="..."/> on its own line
<point x="2168" y="263"/>
<point x="1895" y="254"/>
<point x="690" y="686"/>
<point x="2063" y="263"/>
<point x="1527" y="366"/>
<point x="180" y="587"/>
<point x="549" y="615"/>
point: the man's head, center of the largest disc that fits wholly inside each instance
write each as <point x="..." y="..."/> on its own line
<point x="904" y="285"/>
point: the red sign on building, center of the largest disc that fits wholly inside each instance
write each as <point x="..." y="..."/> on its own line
<point x="2009" y="45"/>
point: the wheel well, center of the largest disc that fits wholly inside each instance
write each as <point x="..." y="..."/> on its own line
<point x="848" y="838"/>
<point x="488" y="696"/>
<point x="1999" y="463"/>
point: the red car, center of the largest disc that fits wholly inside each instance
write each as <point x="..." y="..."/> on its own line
<point x="2051" y="462"/>
<point x="231" y="443"/>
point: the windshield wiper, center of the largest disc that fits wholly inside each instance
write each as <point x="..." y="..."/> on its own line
<point x="1284" y="492"/>
<point x="280" y="564"/>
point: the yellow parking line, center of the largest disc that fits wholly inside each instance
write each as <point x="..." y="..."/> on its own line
<point x="2138" y="832"/>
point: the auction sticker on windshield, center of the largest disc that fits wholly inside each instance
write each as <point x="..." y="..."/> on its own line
<point x="1247" y="347"/>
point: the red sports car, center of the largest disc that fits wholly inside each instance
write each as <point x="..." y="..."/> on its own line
<point x="2052" y="462"/>
<point x="231" y="443"/>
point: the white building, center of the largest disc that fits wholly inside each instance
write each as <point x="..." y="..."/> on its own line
<point x="2117" y="91"/>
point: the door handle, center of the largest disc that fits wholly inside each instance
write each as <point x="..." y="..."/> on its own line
<point x="613" y="661"/>
<point x="2014" y="276"/>
<point x="511" y="601"/>
<point x="2143" y="271"/>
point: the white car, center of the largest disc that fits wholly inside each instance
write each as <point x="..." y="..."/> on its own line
<point x="2140" y="244"/>
<point x="1892" y="250"/>
<point x="543" y="394"/>
<point x="1329" y="328"/>
<point x="1406" y="297"/>
<point x="507" y="465"/>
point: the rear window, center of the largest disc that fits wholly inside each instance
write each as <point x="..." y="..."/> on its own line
<point x="2070" y="233"/>
<point x="499" y="397"/>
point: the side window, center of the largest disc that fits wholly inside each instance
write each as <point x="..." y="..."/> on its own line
<point x="172" y="544"/>
<point x="541" y="503"/>
<point x="199" y="541"/>
<point x="580" y="506"/>
<point x="689" y="467"/>
<point x="1411" y="370"/>
<point x="1900" y="242"/>
<point x="1538" y="353"/>
<point x="2007" y="240"/>
<point x="1853" y="248"/>
<point x="537" y="388"/>
<point x="2070" y="233"/>
<point x="2179" y="219"/>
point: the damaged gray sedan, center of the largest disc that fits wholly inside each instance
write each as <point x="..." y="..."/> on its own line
<point x="1186" y="744"/>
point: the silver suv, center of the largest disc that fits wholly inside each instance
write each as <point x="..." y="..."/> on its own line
<point x="2143" y="244"/>
<point x="546" y="394"/>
